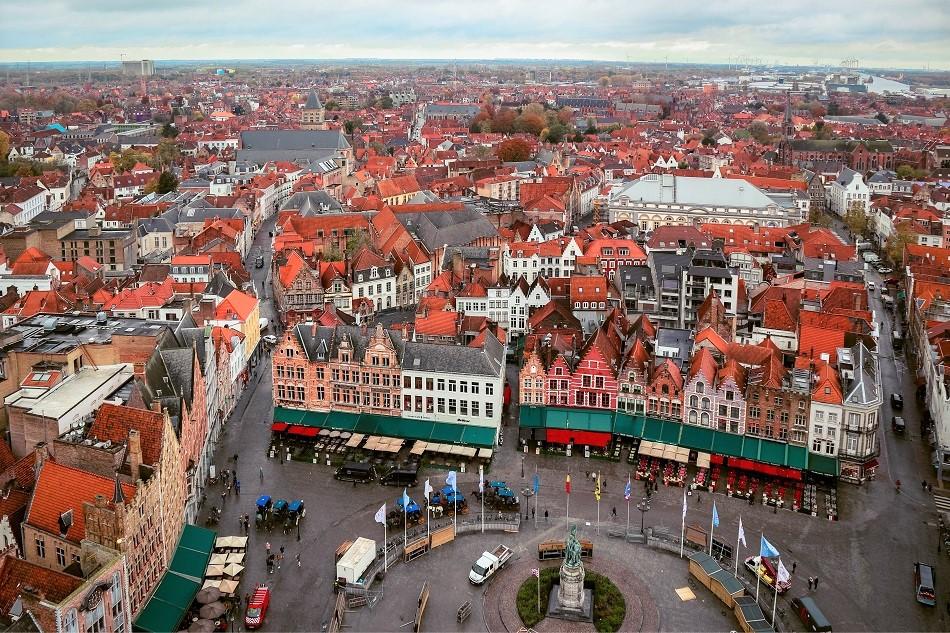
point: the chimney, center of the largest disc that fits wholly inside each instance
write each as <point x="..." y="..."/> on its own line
<point x="457" y="264"/>
<point x="313" y="329"/>
<point x="857" y="301"/>
<point x="135" y="453"/>
<point x="41" y="454"/>
<point x="157" y="405"/>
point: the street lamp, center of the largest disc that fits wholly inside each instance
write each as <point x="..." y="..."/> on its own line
<point x="522" y="466"/>
<point x="643" y="507"/>
<point x="298" y="526"/>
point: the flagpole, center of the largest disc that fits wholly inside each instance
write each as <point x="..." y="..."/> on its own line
<point x="683" y="529"/>
<point x="385" y="548"/>
<point x="628" y="520"/>
<point x="567" y="513"/>
<point x="598" y="502"/>
<point x="455" y="510"/>
<point x="738" y="535"/>
<point x="712" y="528"/>
<point x="539" y="592"/>
<point x="428" y="518"/>
<point x="775" y="601"/>
<point x="481" y="492"/>
<point x="405" y="523"/>
<point x="537" y="493"/>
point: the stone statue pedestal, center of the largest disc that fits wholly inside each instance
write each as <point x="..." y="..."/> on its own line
<point x="569" y="600"/>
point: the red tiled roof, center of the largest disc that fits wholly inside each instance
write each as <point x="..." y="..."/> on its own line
<point x="236" y="303"/>
<point x="16" y="574"/>
<point x="703" y="363"/>
<point x="592" y="288"/>
<point x="442" y="323"/>
<point x="60" y="488"/>
<point x="113" y="422"/>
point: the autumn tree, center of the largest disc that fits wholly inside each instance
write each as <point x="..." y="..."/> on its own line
<point x="564" y="115"/>
<point x="166" y="153"/>
<point x="907" y="172"/>
<point x="898" y="241"/>
<point x="514" y="150"/>
<point x="856" y="219"/>
<point x="480" y="152"/>
<point x="760" y="133"/>
<point x="4" y="145"/>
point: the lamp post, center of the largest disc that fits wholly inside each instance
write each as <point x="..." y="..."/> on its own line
<point x="522" y="466"/>
<point x="643" y="507"/>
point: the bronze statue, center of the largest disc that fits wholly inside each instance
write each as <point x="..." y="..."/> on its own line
<point x="572" y="554"/>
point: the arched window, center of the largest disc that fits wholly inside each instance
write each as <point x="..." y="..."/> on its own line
<point x="705" y="404"/>
<point x="700" y="387"/>
<point x="692" y="417"/>
<point x="665" y="389"/>
<point x="694" y="401"/>
<point x="704" y="419"/>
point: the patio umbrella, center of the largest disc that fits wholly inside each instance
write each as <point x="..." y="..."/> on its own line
<point x="214" y="570"/>
<point x="324" y="432"/>
<point x="228" y="586"/>
<point x="233" y="569"/>
<point x="202" y="626"/>
<point x="208" y="595"/>
<point x="212" y="584"/>
<point x="236" y="557"/>
<point x="334" y="434"/>
<point x="346" y="435"/>
<point x="213" y="610"/>
<point x="218" y="559"/>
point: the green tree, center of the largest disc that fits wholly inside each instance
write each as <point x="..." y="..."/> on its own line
<point x="760" y="133"/>
<point x="351" y="125"/>
<point x="554" y="133"/>
<point x="166" y="153"/>
<point x="385" y="103"/>
<point x="856" y="219"/>
<point x="896" y="243"/>
<point x="356" y="241"/>
<point x="169" y="131"/>
<point x="167" y="182"/>
<point x="908" y="172"/>
<point x="591" y="127"/>
<point x="332" y="105"/>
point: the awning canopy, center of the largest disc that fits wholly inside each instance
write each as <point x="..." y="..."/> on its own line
<point x="585" y="438"/>
<point x="303" y="431"/>
<point x="390" y="426"/>
<point x="182" y="580"/>
<point x="279" y="427"/>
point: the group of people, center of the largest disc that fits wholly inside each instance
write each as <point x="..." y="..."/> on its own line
<point x="244" y="522"/>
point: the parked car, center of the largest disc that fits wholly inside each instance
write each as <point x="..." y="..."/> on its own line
<point x="897" y="401"/>
<point x="811" y="615"/>
<point x="884" y="270"/>
<point x="271" y="339"/>
<point x="924" y="580"/>
<point x="259" y="262"/>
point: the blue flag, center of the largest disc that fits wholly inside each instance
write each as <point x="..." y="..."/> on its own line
<point x="626" y="490"/>
<point x="536" y="485"/>
<point x="766" y="550"/>
<point x="405" y="500"/>
<point x="715" y="520"/>
<point x="450" y="480"/>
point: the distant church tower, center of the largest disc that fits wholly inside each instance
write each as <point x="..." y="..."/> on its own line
<point x="313" y="114"/>
<point x="788" y="132"/>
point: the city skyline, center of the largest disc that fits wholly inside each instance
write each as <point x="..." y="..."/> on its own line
<point x="809" y="33"/>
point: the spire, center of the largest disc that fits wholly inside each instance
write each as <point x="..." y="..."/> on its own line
<point x="117" y="495"/>
<point x="313" y="101"/>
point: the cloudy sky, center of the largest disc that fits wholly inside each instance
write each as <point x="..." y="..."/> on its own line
<point x="909" y="34"/>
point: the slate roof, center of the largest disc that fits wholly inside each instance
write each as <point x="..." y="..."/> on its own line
<point x="313" y="101"/>
<point x="863" y="388"/>
<point x="290" y="141"/>
<point x="454" y="359"/>
<point x="310" y="203"/>
<point x="328" y="339"/>
<point x="454" y="228"/>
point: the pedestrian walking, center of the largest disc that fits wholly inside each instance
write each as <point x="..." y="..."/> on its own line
<point x="298" y="559"/>
<point x="235" y="459"/>
<point x="923" y="484"/>
<point x="267" y="546"/>
<point x="613" y="512"/>
<point x="240" y="521"/>
<point x="262" y="474"/>
<point x="270" y="563"/>
<point x="656" y="486"/>
<point x="794" y="565"/>
<point x="224" y="494"/>
<point x="247" y="598"/>
<point x="237" y="487"/>
<point x="532" y="514"/>
<point x="603" y="484"/>
<point x="545" y="516"/>
<point x="930" y="488"/>
<point x="811" y="581"/>
<point x="816" y="582"/>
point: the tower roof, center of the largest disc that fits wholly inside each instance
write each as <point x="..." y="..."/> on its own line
<point x="313" y="101"/>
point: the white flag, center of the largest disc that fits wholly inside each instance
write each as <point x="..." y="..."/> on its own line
<point x="450" y="480"/>
<point x="428" y="489"/>
<point x="742" y="533"/>
<point x="783" y="575"/>
<point x="684" y="504"/>
<point x="381" y="514"/>
<point x="481" y="479"/>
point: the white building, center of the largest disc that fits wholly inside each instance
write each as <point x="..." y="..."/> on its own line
<point x="846" y="190"/>
<point x="861" y="381"/>
<point x="454" y="384"/>
<point x="664" y="199"/>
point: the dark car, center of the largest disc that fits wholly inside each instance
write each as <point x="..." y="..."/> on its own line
<point x="897" y="424"/>
<point x="259" y="262"/>
<point x="897" y="401"/>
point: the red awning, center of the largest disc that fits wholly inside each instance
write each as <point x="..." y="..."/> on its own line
<point x="279" y="427"/>
<point x="871" y="464"/>
<point x="303" y="431"/>
<point x="716" y="459"/>
<point x="567" y="436"/>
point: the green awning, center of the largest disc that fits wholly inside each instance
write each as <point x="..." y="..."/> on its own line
<point x="531" y="417"/>
<point x="628" y="425"/>
<point x="750" y="448"/>
<point x="726" y="444"/>
<point x="697" y="438"/>
<point x="167" y="605"/>
<point x="197" y="538"/>
<point x="773" y="452"/>
<point x="797" y="457"/>
<point x="290" y="416"/>
<point x="823" y="465"/>
<point x="478" y="435"/>
<point x="445" y="434"/>
<point x="652" y="429"/>
<point x="578" y="419"/>
<point x="670" y="434"/>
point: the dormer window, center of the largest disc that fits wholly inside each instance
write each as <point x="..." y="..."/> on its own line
<point x="700" y="387"/>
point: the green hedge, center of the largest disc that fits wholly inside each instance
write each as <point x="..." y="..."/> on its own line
<point x="610" y="609"/>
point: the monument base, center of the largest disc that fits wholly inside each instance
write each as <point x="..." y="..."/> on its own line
<point x="584" y="614"/>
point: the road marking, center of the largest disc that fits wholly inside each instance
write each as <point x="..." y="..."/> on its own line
<point x="942" y="501"/>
